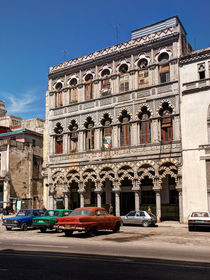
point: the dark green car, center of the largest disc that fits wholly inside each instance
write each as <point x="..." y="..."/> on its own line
<point x="48" y="220"/>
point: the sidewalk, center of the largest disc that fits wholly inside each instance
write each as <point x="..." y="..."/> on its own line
<point x="173" y="224"/>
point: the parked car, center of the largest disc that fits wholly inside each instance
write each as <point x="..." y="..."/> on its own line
<point x="139" y="218"/>
<point x="23" y="219"/>
<point x="89" y="220"/>
<point x="198" y="220"/>
<point x="48" y="220"/>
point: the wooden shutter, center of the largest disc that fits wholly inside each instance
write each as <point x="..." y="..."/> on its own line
<point x="59" y="144"/>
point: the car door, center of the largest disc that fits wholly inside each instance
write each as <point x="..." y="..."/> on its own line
<point x="130" y="218"/>
<point x="99" y="219"/>
<point x="138" y="218"/>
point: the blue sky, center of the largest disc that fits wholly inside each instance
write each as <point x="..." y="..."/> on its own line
<point x="34" y="35"/>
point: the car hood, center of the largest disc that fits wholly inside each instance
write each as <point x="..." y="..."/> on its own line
<point x="18" y="218"/>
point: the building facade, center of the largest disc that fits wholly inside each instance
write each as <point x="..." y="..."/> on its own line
<point x="21" y="158"/>
<point x="113" y="126"/>
<point x="195" y="130"/>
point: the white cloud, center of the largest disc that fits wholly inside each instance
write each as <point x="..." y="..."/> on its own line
<point x="22" y="103"/>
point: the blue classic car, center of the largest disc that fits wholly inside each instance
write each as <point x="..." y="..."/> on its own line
<point x="23" y="219"/>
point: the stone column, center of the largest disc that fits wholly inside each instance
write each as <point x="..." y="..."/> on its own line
<point x="180" y="207"/>
<point x="176" y="128"/>
<point x="80" y="142"/>
<point x="66" y="200"/>
<point x="6" y="191"/>
<point x="155" y="131"/>
<point x="117" y="203"/>
<point x="134" y="134"/>
<point x="97" y="139"/>
<point x="98" y="199"/>
<point x="115" y="137"/>
<point x="158" y="205"/>
<point x="51" y="200"/>
<point x="137" y="200"/>
<point x="82" y="200"/>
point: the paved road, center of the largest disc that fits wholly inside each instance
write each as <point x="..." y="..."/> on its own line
<point x="44" y="266"/>
<point x="169" y="242"/>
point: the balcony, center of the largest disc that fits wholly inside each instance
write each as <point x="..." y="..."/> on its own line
<point x="195" y="86"/>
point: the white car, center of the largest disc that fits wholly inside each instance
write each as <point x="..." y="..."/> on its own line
<point x="139" y="218"/>
<point x="198" y="220"/>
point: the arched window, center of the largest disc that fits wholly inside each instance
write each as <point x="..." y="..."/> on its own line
<point x="166" y="123"/>
<point x="164" y="69"/>
<point x="58" y="139"/>
<point x="143" y="73"/>
<point x="105" y="83"/>
<point x="89" y="134"/>
<point x="58" y="95"/>
<point x="88" y="87"/>
<point x="145" y="126"/>
<point x="106" y="131"/>
<point x="125" y="137"/>
<point x="124" y="78"/>
<point x="73" y="90"/>
<point x="73" y="127"/>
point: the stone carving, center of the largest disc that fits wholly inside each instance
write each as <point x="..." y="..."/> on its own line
<point x="140" y="41"/>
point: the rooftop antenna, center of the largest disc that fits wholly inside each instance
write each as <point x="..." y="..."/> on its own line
<point x="194" y="43"/>
<point x="64" y="54"/>
<point x="117" y="32"/>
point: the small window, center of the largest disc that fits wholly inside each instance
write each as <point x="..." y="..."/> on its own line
<point x="58" y="86"/>
<point x="142" y="214"/>
<point x="104" y="212"/>
<point x="124" y="78"/>
<point x="131" y="214"/>
<point x="201" y="71"/>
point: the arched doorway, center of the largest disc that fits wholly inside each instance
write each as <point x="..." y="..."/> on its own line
<point x="127" y="197"/>
<point x="147" y="195"/>
<point x="74" y="197"/>
<point x="169" y="199"/>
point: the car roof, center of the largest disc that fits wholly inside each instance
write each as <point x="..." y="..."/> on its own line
<point x="90" y="208"/>
<point x="60" y="210"/>
<point x="32" y="209"/>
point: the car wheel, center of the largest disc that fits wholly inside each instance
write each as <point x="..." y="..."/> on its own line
<point x="24" y="227"/>
<point x="92" y="232"/>
<point x="68" y="232"/>
<point x="117" y="227"/>
<point x="43" y="230"/>
<point x="8" y="228"/>
<point x="145" y="224"/>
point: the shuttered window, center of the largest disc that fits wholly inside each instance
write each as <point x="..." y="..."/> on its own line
<point x="59" y="144"/>
<point x="89" y="139"/>
<point x="73" y="93"/>
<point x="88" y="90"/>
<point x="125" y="135"/>
<point x="145" y="132"/>
<point x="105" y="84"/>
<point x="166" y="129"/>
<point x="164" y="71"/>
<point x="143" y="78"/>
<point x="124" y="83"/>
<point x="58" y="99"/>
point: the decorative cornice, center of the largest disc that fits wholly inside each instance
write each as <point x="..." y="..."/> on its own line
<point x="197" y="56"/>
<point x="141" y="41"/>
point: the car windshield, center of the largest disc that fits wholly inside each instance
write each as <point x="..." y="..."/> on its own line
<point x="22" y="213"/>
<point x="200" y="214"/>
<point x="52" y="213"/>
<point x="81" y="212"/>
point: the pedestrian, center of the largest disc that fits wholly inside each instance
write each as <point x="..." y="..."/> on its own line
<point x="43" y="208"/>
<point x="149" y="209"/>
<point x="110" y="210"/>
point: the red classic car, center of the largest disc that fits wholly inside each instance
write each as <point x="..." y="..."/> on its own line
<point x="89" y="220"/>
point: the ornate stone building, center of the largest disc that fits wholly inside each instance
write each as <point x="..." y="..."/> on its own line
<point x="113" y="125"/>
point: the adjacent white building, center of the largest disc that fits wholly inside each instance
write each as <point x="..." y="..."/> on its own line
<point x="195" y="130"/>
